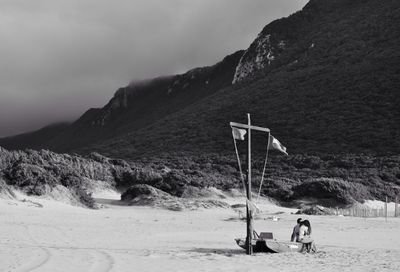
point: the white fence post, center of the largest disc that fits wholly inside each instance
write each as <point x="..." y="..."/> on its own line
<point x="386" y="209"/>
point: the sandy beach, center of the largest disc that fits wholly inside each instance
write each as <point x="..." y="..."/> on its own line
<point x="45" y="235"/>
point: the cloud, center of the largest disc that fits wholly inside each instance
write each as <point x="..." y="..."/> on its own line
<point x="59" y="58"/>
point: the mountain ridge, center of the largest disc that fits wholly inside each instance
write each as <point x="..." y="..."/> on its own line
<point x="334" y="91"/>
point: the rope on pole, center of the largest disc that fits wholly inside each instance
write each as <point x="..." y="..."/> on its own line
<point x="239" y="164"/>
<point x="265" y="166"/>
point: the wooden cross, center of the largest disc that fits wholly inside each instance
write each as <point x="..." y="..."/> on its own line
<point x="249" y="128"/>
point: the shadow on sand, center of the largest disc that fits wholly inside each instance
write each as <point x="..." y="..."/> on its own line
<point x="228" y="252"/>
<point x="107" y="201"/>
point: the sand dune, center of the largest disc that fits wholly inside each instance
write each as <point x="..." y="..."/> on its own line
<point x="54" y="236"/>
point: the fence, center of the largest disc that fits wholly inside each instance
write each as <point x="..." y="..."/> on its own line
<point x="360" y="211"/>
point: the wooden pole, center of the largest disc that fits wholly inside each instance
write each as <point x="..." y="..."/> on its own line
<point x="249" y="237"/>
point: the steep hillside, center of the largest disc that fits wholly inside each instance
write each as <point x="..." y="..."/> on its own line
<point x="325" y="80"/>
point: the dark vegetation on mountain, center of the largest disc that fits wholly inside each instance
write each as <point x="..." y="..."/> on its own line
<point x="325" y="80"/>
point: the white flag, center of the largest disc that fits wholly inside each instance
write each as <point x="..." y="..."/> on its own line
<point x="238" y="133"/>
<point x="275" y="144"/>
<point x="252" y="206"/>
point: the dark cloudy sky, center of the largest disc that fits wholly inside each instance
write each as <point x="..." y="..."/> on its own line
<point x="60" y="57"/>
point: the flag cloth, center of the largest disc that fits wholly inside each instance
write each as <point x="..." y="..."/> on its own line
<point x="238" y="133"/>
<point x="252" y="206"/>
<point x="275" y="144"/>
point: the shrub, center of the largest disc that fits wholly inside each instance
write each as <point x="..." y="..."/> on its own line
<point x="84" y="197"/>
<point x="337" y="190"/>
<point x="279" y="188"/>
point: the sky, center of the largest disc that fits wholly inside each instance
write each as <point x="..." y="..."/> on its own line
<point x="58" y="58"/>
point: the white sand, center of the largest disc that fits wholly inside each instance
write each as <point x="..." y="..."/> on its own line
<point x="60" y="237"/>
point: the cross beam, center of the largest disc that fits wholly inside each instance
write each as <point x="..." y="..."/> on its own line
<point x="233" y="124"/>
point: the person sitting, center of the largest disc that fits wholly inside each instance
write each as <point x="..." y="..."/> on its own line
<point x="296" y="230"/>
<point x="305" y="237"/>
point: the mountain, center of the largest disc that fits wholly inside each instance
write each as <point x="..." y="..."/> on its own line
<point x="324" y="80"/>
